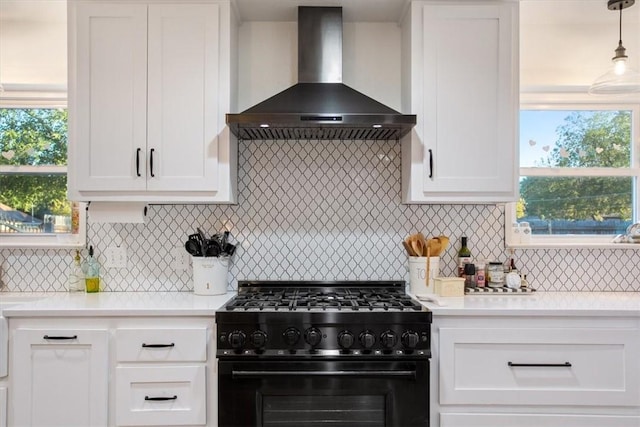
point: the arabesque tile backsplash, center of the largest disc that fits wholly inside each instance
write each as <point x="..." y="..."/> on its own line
<point x="325" y="210"/>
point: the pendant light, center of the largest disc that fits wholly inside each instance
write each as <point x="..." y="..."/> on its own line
<point x="621" y="79"/>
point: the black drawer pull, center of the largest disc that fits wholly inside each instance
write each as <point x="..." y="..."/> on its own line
<point x="430" y="163"/>
<point x="160" y="399"/>
<point x="138" y="162"/>
<point x="544" y="365"/>
<point x="158" y="345"/>
<point x="54" y="337"/>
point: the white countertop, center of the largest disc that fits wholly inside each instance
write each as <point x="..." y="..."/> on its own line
<point x="69" y="304"/>
<point x="188" y="304"/>
<point x="539" y="303"/>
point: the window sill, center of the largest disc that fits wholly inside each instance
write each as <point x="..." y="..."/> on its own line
<point x="575" y="245"/>
<point x="41" y="243"/>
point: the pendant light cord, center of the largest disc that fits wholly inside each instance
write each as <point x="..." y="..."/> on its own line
<point x="620" y="39"/>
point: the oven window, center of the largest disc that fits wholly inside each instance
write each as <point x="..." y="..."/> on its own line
<point x="316" y="411"/>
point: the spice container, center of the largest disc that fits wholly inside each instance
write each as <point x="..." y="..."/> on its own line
<point x="469" y="276"/>
<point x="481" y="274"/>
<point x="495" y="275"/>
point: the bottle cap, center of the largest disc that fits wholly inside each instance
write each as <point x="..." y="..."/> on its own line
<point x="469" y="269"/>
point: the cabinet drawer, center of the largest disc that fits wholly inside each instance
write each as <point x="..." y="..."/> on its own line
<point x="539" y="366"/>
<point x="161" y="345"/>
<point x="153" y="396"/>
<point x="536" y="420"/>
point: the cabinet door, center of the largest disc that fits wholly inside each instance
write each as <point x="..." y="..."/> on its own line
<point x="59" y="380"/>
<point x="161" y="395"/>
<point x="111" y="99"/>
<point x="465" y="143"/>
<point x="539" y="366"/>
<point x="183" y="97"/>
<point x="536" y="420"/>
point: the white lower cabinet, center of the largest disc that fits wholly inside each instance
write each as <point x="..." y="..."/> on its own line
<point x="160" y="396"/>
<point x="161" y="377"/>
<point x="521" y="372"/>
<point x="59" y="377"/>
<point x="535" y="420"/>
<point x="112" y="371"/>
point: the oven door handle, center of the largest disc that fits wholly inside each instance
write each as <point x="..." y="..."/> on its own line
<point x="384" y="374"/>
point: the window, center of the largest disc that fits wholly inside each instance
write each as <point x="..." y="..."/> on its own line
<point x="34" y="210"/>
<point x="579" y="174"/>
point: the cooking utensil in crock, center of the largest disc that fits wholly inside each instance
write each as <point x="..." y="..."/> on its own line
<point x="417" y="244"/>
<point x="192" y="247"/>
<point x="407" y="247"/>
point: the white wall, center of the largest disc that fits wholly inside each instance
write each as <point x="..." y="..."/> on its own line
<point x="268" y="60"/>
<point x="33" y="43"/>
<point x="571" y="42"/>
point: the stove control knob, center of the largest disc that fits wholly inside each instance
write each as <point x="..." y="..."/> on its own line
<point x="388" y="339"/>
<point x="259" y="339"/>
<point x="237" y="339"/>
<point x="410" y="339"/>
<point x="345" y="339"/>
<point x="367" y="339"/>
<point x="291" y="336"/>
<point x="313" y="336"/>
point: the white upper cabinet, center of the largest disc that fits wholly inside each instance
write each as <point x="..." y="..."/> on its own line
<point x="461" y="79"/>
<point x="149" y="87"/>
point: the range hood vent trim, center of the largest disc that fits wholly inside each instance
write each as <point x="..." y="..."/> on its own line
<point x="320" y="106"/>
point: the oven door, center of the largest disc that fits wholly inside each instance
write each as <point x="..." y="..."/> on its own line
<point x="315" y="393"/>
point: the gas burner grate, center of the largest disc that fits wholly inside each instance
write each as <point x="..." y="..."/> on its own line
<point x="314" y="299"/>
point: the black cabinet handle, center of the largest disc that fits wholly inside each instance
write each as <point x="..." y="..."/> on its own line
<point x="138" y="161"/>
<point x="544" y="365"/>
<point x="157" y="345"/>
<point x="430" y="163"/>
<point x="54" y="337"/>
<point x="151" y="161"/>
<point x="159" y="399"/>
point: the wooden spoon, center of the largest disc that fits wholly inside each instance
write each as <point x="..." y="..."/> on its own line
<point x="417" y="244"/>
<point x="435" y="247"/>
<point x="407" y="247"/>
<point x="444" y="242"/>
<point x="423" y="240"/>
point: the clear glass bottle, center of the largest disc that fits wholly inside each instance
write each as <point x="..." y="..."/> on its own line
<point x="76" y="276"/>
<point x="92" y="273"/>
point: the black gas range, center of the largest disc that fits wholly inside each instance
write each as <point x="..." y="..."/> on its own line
<point x="307" y="352"/>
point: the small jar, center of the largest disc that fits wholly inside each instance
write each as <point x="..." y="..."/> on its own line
<point x="481" y="274"/>
<point x="495" y="275"/>
<point x="512" y="280"/>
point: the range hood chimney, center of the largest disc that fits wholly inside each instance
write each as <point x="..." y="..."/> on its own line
<point x="320" y="106"/>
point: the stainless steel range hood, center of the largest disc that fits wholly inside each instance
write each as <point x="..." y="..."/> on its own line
<point x="320" y="106"/>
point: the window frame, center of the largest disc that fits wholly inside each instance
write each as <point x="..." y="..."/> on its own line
<point x="42" y="241"/>
<point x="578" y="101"/>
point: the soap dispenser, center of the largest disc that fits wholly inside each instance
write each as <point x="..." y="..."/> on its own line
<point x="92" y="273"/>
